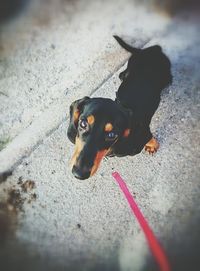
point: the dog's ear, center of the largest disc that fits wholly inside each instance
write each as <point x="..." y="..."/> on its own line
<point x="76" y="108"/>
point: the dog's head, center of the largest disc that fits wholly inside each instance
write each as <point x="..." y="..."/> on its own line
<point x="96" y="124"/>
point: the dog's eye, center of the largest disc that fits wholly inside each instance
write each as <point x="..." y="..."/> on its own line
<point x="83" y="124"/>
<point x="111" y="136"/>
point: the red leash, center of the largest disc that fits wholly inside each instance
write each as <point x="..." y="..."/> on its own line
<point x="154" y="245"/>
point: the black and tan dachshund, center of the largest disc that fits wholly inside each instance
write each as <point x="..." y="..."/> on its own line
<point x="102" y="127"/>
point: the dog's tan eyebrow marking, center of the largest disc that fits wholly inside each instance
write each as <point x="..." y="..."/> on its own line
<point x="108" y="127"/>
<point x="127" y="132"/>
<point x="76" y="115"/>
<point x="90" y="119"/>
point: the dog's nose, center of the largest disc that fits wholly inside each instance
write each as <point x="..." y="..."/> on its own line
<point x="80" y="174"/>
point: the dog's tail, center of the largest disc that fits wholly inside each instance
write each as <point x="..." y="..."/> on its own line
<point x="126" y="46"/>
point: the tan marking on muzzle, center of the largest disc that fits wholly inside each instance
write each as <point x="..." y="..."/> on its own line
<point x="108" y="127"/>
<point x="97" y="160"/>
<point x="78" y="148"/>
<point x="90" y="119"/>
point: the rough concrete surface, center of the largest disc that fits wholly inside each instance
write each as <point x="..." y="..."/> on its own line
<point x="51" y="221"/>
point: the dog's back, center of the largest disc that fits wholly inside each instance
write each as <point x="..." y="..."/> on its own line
<point x="150" y="63"/>
<point x="153" y="65"/>
<point x="147" y="73"/>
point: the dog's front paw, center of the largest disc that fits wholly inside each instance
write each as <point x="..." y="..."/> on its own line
<point x="152" y="146"/>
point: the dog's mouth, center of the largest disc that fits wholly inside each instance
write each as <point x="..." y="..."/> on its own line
<point x="81" y="170"/>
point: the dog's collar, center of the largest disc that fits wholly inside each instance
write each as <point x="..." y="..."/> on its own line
<point x="127" y="111"/>
<point x="121" y="105"/>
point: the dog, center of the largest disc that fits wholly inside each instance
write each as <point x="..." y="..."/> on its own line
<point x="102" y="127"/>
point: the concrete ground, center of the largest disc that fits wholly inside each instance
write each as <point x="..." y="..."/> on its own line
<point x="48" y="219"/>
